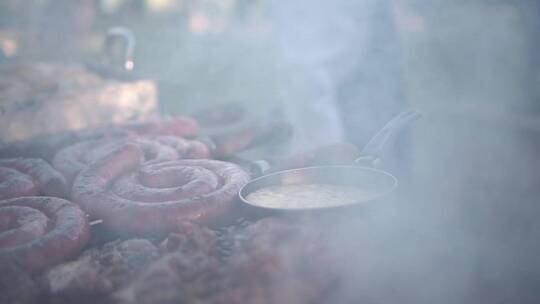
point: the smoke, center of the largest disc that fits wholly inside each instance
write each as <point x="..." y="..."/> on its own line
<point x="462" y="228"/>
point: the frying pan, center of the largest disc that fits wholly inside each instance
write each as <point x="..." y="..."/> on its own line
<point x="363" y="174"/>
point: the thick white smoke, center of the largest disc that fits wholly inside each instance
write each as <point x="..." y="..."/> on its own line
<point x="462" y="228"/>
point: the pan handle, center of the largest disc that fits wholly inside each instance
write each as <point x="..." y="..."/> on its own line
<point x="371" y="154"/>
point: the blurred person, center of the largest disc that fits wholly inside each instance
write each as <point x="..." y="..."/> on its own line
<point x="341" y="78"/>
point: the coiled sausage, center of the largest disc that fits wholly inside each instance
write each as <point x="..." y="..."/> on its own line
<point x="73" y="159"/>
<point x="28" y="177"/>
<point x="37" y="232"/>
<point x="144" y="199"/>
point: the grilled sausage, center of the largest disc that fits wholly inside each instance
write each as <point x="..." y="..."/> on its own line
<point x="37" y="232"/>
<point x="73" y="159"/>
<point x="151" y="199"/>
<point x="28" y="176"/>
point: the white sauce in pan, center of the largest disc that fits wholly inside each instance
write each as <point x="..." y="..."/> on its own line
<point x="299" y="196"/>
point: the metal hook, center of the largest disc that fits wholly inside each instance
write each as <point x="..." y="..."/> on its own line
<point x="127" y="38"/>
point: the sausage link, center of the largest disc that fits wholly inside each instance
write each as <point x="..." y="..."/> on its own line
<point x="73" y="159"/>
<point x="152" y="198"/>
<point x="38" y="232"/>
<point x="29" y="176"/>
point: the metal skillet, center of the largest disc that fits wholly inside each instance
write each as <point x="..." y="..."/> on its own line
<point x="362" y="175"/>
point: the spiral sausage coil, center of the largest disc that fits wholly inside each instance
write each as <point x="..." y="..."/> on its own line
<point x="38" y="232"/>
<point x="152" y="198"/>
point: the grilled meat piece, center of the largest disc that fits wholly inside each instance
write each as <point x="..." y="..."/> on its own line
<point x="184" y="272"/>
<point x="98" y="272"/>
<point x="271" y="262"/>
